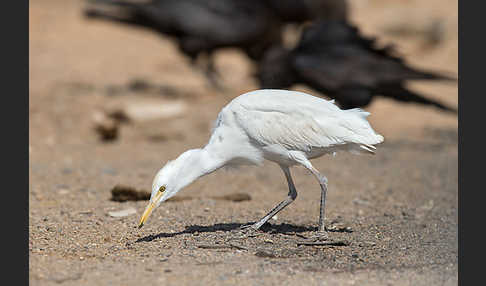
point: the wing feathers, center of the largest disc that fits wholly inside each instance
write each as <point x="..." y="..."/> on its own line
<point x="298" y="127"/>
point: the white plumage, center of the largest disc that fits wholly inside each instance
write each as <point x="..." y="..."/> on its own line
<point x="286" y="127"/>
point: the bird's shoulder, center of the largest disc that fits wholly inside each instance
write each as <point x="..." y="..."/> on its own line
<point x="283" y="101"/>
<point x="291" y="119"/>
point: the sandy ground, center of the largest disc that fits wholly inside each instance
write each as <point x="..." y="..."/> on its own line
<point x="398" y="209"/>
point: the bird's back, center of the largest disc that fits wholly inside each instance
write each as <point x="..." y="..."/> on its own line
<point x="200" y="25"/>
<point x="225" y="21"/>
<point x="300" y="122"/>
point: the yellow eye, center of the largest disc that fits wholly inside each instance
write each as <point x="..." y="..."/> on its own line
<point x="162" y="189"/>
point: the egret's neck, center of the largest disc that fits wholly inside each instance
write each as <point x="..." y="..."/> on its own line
<point x="195" y="163"/>
<point x="208" y="161"/>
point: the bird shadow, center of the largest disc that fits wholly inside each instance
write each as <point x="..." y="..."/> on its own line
<point x="283" y="228"/>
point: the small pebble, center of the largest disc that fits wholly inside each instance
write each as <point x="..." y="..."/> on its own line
<point x="122" y="213"/>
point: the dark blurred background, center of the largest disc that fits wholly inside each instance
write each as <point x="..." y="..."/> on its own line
<point x="72" y="53"/>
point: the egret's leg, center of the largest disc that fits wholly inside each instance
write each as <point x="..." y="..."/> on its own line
<point x="300" y="158"/>
<point x="290" y="198"/>
<point x="323" y="183"/>
<point x="321" y="230"/>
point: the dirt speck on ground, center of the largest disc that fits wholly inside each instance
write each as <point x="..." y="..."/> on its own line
<point x="396" y="211"/>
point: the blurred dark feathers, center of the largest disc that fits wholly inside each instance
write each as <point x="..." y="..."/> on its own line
<point x="201" y="27"/>
<point x="333" y="58"/>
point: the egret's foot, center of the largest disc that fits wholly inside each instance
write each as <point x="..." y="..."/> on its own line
<point x="246" y="226"/>
<point x="322" y="238"/>
<point x="250" y="230"/>
<point x="250" y="227"/>
<point x="320" y="235"/>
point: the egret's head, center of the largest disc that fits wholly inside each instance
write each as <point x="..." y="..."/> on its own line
<point x="169" y="180"/>
<point x="161" y="191"/>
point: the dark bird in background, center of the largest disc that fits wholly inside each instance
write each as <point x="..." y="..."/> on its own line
<point x="333" y="58"/>
<point x="202" y="27"/>
<point x="199" y="27"/>
<point x="300" y="11"/>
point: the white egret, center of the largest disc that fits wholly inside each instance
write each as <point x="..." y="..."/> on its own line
<point x="285" y="127"/>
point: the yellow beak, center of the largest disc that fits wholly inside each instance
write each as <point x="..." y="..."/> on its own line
<point x="149" y="209"/>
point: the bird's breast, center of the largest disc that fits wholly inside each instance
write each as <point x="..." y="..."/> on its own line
<point x="278" y="154"/>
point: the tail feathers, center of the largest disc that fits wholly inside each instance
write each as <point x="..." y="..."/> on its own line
<point x="362" y="133"/>
<point x="124" y="10"/>
<point x="360" y="148"/>
<point x="430" y="75"/>
<point x="116" y="3"/>
<point x="369" y="148"/>
<point x="92" y="13"/>
<point x="442" y="76"/>
<point x="134" y="14"/>
<point x="400" y="93"/>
